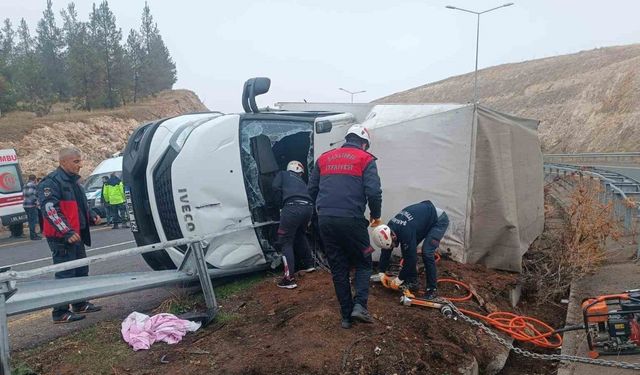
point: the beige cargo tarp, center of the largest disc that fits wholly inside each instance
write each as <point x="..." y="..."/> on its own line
<point x="483" y="167"/>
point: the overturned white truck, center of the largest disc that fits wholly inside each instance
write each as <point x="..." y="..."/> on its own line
<point x="205" y="173"/>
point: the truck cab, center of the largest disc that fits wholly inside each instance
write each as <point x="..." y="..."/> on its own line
<point x="207" y="173"/>
<point x="12" y="214"/>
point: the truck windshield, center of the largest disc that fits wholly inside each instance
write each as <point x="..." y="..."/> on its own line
<point x="283" y="141"/>
<point x="10" y="181"/>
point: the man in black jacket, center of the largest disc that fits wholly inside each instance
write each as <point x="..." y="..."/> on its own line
<point x="342" y="183"/>
<point x="412" y="225"/>
<point x="292" y="196"/>
<point x="66" y="226"/>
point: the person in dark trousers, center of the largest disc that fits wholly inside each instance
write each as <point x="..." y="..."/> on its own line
<point x="292" y="196"/>
<point x="30" y="206"/>
<point x="105" y="199"/>
<point x="66" y="226"/>
<point x="40" y="218"/>
<point x="116" y="198"/>
<point x="415" y="223"/>
<point x="343" y="181"/>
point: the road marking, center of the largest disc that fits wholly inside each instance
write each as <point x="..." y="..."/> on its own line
<point x="26" y="241"/>
<point x="88" y="251"/>
<point x="13" y="243"/>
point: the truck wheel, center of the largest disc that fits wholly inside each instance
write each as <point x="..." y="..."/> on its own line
<point x="159" y="260"/>
<point x="16" y="230"/>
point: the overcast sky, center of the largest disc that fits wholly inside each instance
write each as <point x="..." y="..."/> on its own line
<point x="311" y="48"/>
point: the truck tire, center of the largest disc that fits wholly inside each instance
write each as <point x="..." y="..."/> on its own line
<point x="159" y="260"/>
<point x="16" y="230"/>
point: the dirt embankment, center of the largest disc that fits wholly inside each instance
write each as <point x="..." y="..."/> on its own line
<point x="98" y="134"/>
<point x="266" y="330"/>
<point x="586" y="101"/>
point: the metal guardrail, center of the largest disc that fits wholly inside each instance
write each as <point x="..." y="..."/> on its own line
<point x="597" y="154"/>
<point x="617" y="189"/>
<point x="17" y="296"/>
<point x="624" y="158"/>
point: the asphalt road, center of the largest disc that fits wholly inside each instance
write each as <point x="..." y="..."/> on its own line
<point x="28" y="330"/>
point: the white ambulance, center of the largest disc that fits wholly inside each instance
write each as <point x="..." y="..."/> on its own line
<point x="12" y="214"/>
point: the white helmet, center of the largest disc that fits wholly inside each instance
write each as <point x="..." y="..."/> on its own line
<point x="360" y="131"/>
<point x="295" y="166"/>
<point x="382" y="237"/>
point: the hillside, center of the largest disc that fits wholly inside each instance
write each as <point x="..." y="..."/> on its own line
<point x="587" y="101"/>
<point x="98" y="134"/>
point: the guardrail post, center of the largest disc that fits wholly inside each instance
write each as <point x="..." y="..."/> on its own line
<point x="6" y="291"/>
<point x="638" y="252"/>
<point x="205" y="281"/>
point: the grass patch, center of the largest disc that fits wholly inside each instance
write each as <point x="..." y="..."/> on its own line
<point x="22" y="369"/>
<point x="94" y="350"/>
<point x="180" y="302"/>
<point x="237" y="286"/>
<point x="226" y="317"/>
<point x="183" y="300"/>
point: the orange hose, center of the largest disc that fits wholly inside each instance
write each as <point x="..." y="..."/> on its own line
<point x="520" y="327"/>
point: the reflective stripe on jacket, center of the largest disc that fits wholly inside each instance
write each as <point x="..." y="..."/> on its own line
<point x="63" y="201"/>
<point x="115" y="191"/>
<point x="344" y="180"/>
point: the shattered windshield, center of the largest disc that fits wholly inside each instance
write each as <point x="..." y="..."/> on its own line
<point x="276" y="130"/>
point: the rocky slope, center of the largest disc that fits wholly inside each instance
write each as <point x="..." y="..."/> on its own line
<point x="97" y="134"/>
<point x="587" y="101"/>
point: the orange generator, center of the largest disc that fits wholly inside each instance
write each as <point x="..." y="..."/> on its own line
<point x="612" y="323"/>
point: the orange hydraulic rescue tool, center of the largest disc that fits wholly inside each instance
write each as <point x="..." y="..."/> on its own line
<point x="409" y="299"/>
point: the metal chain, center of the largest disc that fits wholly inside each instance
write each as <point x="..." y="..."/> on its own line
<point x="544" y="357"/>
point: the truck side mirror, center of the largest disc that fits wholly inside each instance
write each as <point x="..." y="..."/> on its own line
<point x="323" y="126"/>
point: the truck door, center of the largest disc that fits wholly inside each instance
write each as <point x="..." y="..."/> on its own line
<point x="329" y="132"/>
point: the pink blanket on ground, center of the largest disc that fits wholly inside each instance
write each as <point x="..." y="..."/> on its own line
<point x="140" y="330"/>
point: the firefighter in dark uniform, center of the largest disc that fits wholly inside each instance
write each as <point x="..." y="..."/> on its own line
<point x="415" y="223"/>
<point x="343" y="181"/>
<point x="66" y="226"/>
<point x="292" y="196"/>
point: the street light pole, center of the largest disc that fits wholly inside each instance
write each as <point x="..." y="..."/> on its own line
<point x="475" y="74"/>
<point x="352" y="92"/>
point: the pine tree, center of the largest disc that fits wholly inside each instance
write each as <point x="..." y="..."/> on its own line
<point x="80" y="59"/>
<point x="30" y="81"/>
<point x="7" y="92"/>
<point x="136" y="56"/>
<point x="158" y="71"/>
<point x="106" y="38"/>
<point x="8" y="42"/>
<point x="49" y="46"/>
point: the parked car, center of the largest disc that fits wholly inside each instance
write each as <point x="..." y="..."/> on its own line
<point x="93" y="183"/>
